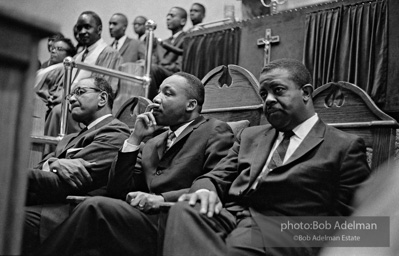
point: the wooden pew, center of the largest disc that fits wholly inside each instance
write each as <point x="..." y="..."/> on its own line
<point x="349" y="108"/>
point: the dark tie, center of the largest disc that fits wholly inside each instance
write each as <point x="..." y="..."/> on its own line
<point x="169" y="141"/>
<point x="116" y="44"/>
<point x="85" y="54"/>
<point x="279" y="154"/>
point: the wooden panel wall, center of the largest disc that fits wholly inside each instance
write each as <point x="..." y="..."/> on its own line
<point x="19" y="38"/>
<point x="290" y="26"/>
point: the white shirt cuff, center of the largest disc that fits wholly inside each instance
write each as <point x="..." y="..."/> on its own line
<point x="127" y="147"/>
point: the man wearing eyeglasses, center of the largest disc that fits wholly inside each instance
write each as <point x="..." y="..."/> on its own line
<point x="97" y="52"/>
<point x="81" y="161"/>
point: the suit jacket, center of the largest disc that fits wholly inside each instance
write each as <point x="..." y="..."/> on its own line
<point x="319" y="179"/>
<point x="132" y="50"/>
<point x="170" y="60"/>
<point x="196" y="151"/>
<point x="99" y="144"/>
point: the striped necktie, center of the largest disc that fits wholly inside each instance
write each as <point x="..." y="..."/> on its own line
<point x="85" y="54"/>
<point x="279" y="154"/>
<point x="169" y="141"/>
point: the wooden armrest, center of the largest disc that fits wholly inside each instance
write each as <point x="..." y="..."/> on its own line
<point x="76" y="199"/>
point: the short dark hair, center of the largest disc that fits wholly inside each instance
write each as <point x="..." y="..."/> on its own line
<point x="103" y="85"/>
<point x="201" y="6"/>
<point x="298" y="72"/>
<point x="183" y="12"/>
<point x="56" y="36"/>
<point x="94" y="15"/>
<point x="195" y="88"/>
<point x="71" y="51"/>
<point x="124" y="18"/>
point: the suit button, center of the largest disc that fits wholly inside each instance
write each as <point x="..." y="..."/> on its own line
<point x="158" y="172"/>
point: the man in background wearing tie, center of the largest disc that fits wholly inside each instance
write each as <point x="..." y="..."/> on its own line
<point x="131" y="50"/>
<point x="144" y="175"/>
<point x="294" y="166"/>
<point x="96" y="52"/>
<point x="81" y="162"/>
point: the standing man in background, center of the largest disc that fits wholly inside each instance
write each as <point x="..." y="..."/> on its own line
<point x="197" y="15"/>
<point x="171" y="50"/>
<point x="139" y="27"/>
<point x="96" y="52"/>
<point x="130" y="49"/>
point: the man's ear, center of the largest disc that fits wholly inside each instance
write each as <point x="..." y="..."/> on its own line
<point x="191" y="105"/>
<point x="100" y="29"/>
<point x="183" y="22"/>
<point x="307" y="90"/>
<point x="103" y="99"/>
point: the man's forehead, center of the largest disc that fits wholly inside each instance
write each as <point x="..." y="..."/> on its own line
<point x="87" y="82"/>
<point x="85" y="18"/>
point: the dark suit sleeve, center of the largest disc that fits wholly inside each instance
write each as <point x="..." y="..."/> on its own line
<point x="219" y="142"/>
<point x="126" y="175"/>
<point x="102" y="151"/>
<point x="221" y="177"/>
<point x="354" y="171"/>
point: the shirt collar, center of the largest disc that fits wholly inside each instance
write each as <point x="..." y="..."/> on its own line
<point x="93" y="46"/>
<point x="181" y="128"/>
<point x="121" y="41"/>
<point x="92" y="124"/>
<point x="304" y="128"/>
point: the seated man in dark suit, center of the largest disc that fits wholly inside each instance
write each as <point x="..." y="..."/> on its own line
<point x="170" y="50"/>
<point x="81" y="162"/>
<point x="160" y="170"/>
<point x="296" y="166"/>
<point x="131" y="49"/>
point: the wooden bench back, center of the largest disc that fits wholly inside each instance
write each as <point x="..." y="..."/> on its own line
<point x="347" y="107"/>
<point x="232" y="94"/>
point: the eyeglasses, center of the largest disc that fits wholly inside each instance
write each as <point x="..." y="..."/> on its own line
<point x="82" y="90"/>
<point x="58" y="48"/>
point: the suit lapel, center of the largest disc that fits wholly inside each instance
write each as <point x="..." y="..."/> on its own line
<point x="124" y="46"/>
<point x="73" y="142"/>
<point x="262" y="154"/>
<point x="160" y="144"/>
<point x="314" y="138"/>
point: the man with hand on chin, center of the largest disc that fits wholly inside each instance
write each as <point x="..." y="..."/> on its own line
<point x="145" y="174"/>
<point x="294" y="166"/>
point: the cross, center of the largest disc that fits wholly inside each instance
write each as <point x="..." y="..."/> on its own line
<point x="267" y="41"/>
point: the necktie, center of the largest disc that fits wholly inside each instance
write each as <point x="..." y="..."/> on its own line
<point x="279" y="154"/>
<point x="169" y="141"/>
<point x="85" y="54"/>
<point x="116" y="44"/>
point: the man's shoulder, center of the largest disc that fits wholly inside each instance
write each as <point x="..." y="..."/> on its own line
<point x="133" y="41"/>
<point x="113" y="124"/>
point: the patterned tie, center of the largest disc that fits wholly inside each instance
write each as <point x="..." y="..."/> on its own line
<point x="169" y="141"/>
<point x="85" y="54"/>
<point x="116" y="44"/>
<point x="279" y="154"/>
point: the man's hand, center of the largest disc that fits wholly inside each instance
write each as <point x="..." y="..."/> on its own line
<point x="73" y="171"/>
<point x="145" y="125"/>
<point x="144" y="202"/>
<point x="209" y="200"/>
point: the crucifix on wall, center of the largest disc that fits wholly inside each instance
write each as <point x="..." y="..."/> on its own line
<point x="267" y="41"/>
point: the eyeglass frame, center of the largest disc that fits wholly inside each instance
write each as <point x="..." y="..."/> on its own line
<point x="58" y="48"/>
<point x="85" y="88"/>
